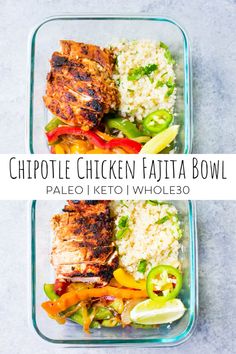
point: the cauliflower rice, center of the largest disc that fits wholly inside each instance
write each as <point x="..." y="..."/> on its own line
<point x="153" y="235"/>
<point x="149" y="93"/>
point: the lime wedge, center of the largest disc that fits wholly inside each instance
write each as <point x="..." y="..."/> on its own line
<point x="160" y="141"/>
<point x="150" y="312"/>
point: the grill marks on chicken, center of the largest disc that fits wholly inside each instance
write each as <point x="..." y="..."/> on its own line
<point x="83" y="247"/>
<point x="80" y="88"/>
<point x="88" y="51"/>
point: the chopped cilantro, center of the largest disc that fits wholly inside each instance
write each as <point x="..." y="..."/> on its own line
<point x="164" y="74"/>
<point x="151" y="79"/>
<point x="150" y="68"/>
<point x="123" y="203"/>
<point x="168" y="55"/>
<point x="155" y="202"/>
<point x="169" y="92"/>
<point x="137" y="73"/>
<point x="159" y="84"/>
<point x="122" y="232"/>
<point x="123" y="222"/>
<point x="163" y="45"/>
<point x="142" y="266"/>
<point x="162" y="220"/>
<point x="170" y="82"/>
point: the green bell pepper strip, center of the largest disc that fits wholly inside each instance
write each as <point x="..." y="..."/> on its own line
<point x="112" y="322"/>
<point x="95" y="324"/>
<point x="77" y="317"/>
<point x="103" y="313"/>
<point x="158" y="270"/>
<point x="157" y="121"/>
<point x="128" y="128"/>
<point x="50" y="293"/>
<point x="52" y="124"/>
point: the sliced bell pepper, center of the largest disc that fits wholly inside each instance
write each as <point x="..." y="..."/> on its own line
<point x="58" y="149"/>
<point x="104" y="136"/>
<point x="99" y="151"/>
<point x="154" y="272"/>
<point x="54" y="134"/>
<point x="50" y="292"/>
<point x="127" y="280"/>
<point x="60" y="286"/>
<point x="71" y="298"/>
<point x="131" y="146"/>
<point x="80" y="147"/>
<point x="128" y="145"/>
<point x="52" y="124"/>
<point x="157" y="121"/>
<point x="128" y="128"/>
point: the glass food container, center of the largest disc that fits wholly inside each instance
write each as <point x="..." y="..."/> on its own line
<point x="103" y="30"/>
<point x="72" y="334"/>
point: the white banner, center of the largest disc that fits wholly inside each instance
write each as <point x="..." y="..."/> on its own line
<point x="196" y="177"/>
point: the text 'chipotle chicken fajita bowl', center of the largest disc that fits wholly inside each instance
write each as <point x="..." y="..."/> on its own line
<point x="118" y="99"/>
<point x="116" y="264"/>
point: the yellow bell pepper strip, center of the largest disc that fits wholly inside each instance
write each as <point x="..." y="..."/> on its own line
<point x="160" y="141"/>
<point x="154" y="272"/>
<point x="114" y="283"/>
<point x="99" y="151"/>
<point x="119" y="151"/>
<point x="104" y="136"/>
<point x="58" y="149"/>
<point x="130" y="146"/>
<point x="128" y="280"/>
<point x="71" y="298"/>
<point x="87" y="319"/>
<point x="80" y="147"/>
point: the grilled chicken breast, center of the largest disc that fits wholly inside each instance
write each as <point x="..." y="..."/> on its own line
<point x="83" y="247"/>
<point x="80" y="88"/>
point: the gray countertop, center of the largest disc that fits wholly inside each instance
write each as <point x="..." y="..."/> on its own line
<point x="211" y="28"/>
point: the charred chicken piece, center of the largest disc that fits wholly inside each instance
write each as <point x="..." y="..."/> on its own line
<point x="80" y="89"/>
<point x="92" y="272"/>
<point x="83" y="247"/>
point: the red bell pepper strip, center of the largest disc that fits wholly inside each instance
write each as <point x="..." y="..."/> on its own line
<point x="54" y="134"/>
<point x="131" y="146"/>
<point x="128" y="145"/>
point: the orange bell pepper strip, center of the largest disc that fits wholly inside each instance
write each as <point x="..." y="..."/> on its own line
<point x="73" y="297"/>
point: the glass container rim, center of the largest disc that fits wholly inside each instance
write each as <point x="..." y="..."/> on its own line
<point x="157" y="342"/>
<point x="188" y="126"/>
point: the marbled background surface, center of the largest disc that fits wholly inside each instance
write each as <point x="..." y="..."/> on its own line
<point x="211" y="28"/>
